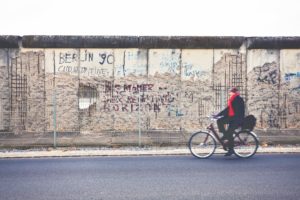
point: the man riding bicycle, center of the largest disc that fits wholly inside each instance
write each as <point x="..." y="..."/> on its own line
<point x="232" y="115"/>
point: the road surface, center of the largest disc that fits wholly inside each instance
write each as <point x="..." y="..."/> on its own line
<point x="264" y="177"/>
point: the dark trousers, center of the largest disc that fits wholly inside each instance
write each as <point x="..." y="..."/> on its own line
<point x="233" y="124"/>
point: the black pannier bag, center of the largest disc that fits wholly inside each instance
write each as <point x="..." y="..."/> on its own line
<point x="249" y="122"/>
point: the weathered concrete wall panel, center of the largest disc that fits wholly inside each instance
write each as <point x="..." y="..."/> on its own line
<point x="34" y="72"/>
<point x="8" y="116"/>
<point x="196" y="101"/>
<point x="4" y="90"/>
<point x="290" y="89"/>
<point x="263" y="86"/>
<point x="165" y="74"/>
<point x="63" y="84"/>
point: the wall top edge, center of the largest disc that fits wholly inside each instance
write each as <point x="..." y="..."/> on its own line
<point x="9" y="41"/>
<point x="163" y="42"/>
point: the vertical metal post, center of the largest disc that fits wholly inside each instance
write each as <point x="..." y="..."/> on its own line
<point x="140" y="134"/>
<point x="54" y="118"/>
<point x="222" y="92"/>
<point x="54" y="102"/>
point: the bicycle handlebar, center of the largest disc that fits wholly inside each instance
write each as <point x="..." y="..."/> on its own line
<point x="214" y="118"/>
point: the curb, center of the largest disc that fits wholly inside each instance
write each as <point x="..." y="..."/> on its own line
<point x="122" y="152"/>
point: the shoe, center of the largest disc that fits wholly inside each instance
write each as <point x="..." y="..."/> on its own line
<point x="224" y="142"/>
<point x="229" y="153"/>
<point x="225" y="148"/>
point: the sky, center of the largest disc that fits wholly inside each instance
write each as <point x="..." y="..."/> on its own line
<point x="151" y="17"/>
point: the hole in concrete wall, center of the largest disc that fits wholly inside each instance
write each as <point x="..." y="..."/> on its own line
<point x="87" y="96"/>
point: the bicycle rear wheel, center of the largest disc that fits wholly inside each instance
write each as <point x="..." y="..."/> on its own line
<point x="202" y="144"/>
<point x="245" y="144"/>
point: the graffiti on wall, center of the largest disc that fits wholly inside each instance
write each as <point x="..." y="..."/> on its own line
<point x="293" y="79"/>
<point x="164" y="61"/>
<point x="291" y="76"/>
<point x="98" y="63"/>
<point x="135" y="97"/>
<point x="275" y="106"/>
<point x="184" y="96"/>
<point x="169" y="66"/>
<point x="268" y="73"/>
<point x="290" y="99"/>
<point x="190" y="71"/>
<point x="263" y="99"/>
<point x="86" y="56"/>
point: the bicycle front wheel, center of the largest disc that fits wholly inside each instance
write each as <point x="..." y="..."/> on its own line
<point x="245" y="144"/>
<point x="202" y="144"/>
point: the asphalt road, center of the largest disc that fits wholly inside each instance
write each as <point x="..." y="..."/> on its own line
<point x="151" y="177"/>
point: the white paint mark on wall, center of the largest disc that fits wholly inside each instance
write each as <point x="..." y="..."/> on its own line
<point x="197" y="64"/>
<point x="130" y="62"/>
<point x="163" y="61"/>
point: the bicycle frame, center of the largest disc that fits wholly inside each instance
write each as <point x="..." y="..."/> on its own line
<point x="211" y="128"/>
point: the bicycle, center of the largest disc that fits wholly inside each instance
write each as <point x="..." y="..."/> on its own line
<point x="203" y="144"/>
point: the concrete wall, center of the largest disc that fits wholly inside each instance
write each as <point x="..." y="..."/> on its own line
<point x="177" y="87"/>
<point x="273" y="87"/>
<point x="161" y="82"/>
<point x="4" y="91"/>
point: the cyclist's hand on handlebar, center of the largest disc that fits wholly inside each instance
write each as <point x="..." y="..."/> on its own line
<point x="216" y="116"/>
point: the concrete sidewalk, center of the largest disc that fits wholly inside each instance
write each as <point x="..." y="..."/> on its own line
<point x="128" y="151"/>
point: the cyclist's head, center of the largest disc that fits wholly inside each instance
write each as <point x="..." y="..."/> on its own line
<point x="233" y="91"/>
